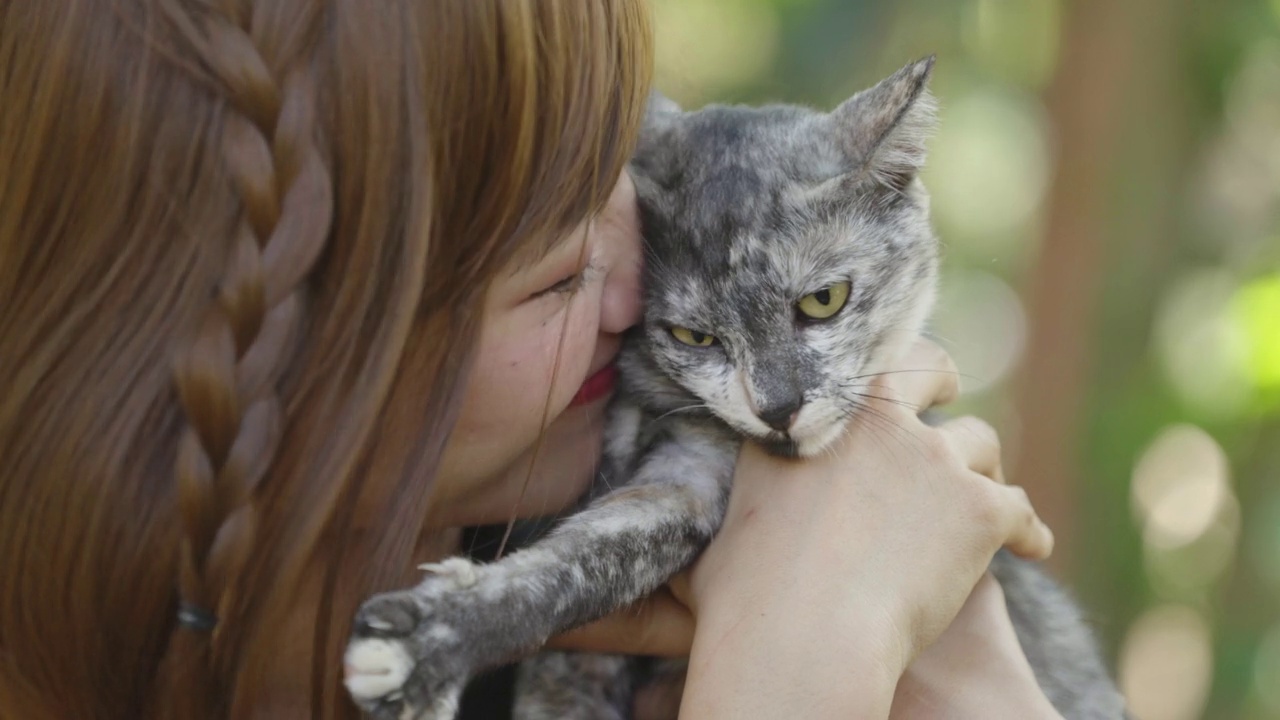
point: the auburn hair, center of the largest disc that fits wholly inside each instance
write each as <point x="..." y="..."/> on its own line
<point x="242" y="245"/>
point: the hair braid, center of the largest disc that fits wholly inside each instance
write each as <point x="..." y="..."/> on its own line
<point x="226" y="377"/>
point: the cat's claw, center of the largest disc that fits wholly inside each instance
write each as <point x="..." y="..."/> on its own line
<point x="462" y="571"/>
<point x="405" y="660"/>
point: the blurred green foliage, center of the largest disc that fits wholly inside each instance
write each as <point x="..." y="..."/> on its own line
<point x="1175" y="447"/>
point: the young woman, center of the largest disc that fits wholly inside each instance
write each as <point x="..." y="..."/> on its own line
<point x="292" y="290"/>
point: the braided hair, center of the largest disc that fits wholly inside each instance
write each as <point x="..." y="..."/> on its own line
<point x="227" y="374"/>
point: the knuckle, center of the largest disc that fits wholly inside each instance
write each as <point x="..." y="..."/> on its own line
<point x="938" y="358"/>
<point x="1019" y="497"/>
<point x="937" y="448"/>
<point x="925" y="353"/>
<point x="931" y="350"/>
<point x="1021" y="507"/>
<point x="981" y="430"/>
<point x="947" y="364"/>
<point x="987" y="506"/>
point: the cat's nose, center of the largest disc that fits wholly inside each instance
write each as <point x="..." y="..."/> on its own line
<point x="781" y="417"/>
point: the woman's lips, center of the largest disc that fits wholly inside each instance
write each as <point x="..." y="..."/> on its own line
<point x="597" y="386"/>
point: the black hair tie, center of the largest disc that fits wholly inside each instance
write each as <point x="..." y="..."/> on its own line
<point x="194" y="617"/>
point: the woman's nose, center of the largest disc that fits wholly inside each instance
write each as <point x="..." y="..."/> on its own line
<point x="621" y="306"/>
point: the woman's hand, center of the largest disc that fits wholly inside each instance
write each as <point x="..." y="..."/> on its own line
<point x="976" y="669"/>
<point x="831" y="574"/>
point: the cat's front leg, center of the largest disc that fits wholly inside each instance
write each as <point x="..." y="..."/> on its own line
<point x="413" y="650"/>
<point x="416" y="631"/>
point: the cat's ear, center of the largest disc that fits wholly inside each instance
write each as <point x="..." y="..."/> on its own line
<point x="659" y="110"/>
<point x="883" y="130"/>
<point x="655" y="155"/>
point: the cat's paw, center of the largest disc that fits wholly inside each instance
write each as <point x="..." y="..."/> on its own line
<point x="406" y="658"/>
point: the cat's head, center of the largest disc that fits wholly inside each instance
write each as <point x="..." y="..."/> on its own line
<point x="789" y="254"/>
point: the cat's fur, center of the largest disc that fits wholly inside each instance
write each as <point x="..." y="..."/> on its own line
<point x="745" y="211"/>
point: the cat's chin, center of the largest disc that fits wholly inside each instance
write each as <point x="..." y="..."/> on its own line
<point x="810" y="445"/>
<point x="785" y="447"/>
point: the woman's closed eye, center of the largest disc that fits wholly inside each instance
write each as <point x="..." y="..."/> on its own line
<point x="571" y="283"/>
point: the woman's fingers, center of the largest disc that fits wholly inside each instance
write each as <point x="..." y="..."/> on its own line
<point x="978" y="447"/>
<point x="678" y="586"/>
<point x="977" y="444"/>
<point x="658" y="625"/>
<point x="925" y="376"/>
<point x="1025" y="534"/>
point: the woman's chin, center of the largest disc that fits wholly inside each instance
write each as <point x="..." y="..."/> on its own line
<point x="564" y="465"/>
<point x="546" y="479"/>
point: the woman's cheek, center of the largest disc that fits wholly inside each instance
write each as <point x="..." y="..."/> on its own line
<point x="517" y="364"/>
<point x="571" y="334"/>
<point x="581" y="335"/>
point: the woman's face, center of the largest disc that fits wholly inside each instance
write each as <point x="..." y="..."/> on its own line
<point x="576" y="300"/>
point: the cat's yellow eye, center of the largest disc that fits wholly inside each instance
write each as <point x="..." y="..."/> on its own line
<point x="692" y="337"/>
<point x="826" y="302"/>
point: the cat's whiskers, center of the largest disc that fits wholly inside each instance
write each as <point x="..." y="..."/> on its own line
<point x="896" y="401"/>
<point x="872" y="426"/>
<point x="878" y="420"/>
<point x="910" y="370"/>
<point x="686" y="408"/>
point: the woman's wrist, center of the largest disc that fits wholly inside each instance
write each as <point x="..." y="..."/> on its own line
<point x="975" y="669"/>
<point x="972" y="699"/>
<point x="765" y="659"/>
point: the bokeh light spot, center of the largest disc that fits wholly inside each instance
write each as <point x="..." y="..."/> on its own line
<point x="1165" y="664"/>
<point x="1238" y="188"/>
<point x="987" y="170"/>
<point x="1180" y="485"/>
<point x="1202" y="349"/>
<point x="1188" y="572"/>
<point x="981" y="322"/>
<point x="1256" y="308"/>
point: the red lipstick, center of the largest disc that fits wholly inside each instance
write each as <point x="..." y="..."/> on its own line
<point x="597" y="386"/>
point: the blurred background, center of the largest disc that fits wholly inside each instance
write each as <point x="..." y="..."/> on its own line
<point x="1106" y="184"/>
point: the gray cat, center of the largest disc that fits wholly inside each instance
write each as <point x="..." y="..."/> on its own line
<point x="789" y="257"/>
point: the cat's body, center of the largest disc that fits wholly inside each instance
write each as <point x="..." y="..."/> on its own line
<point x="789" y="257"/>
